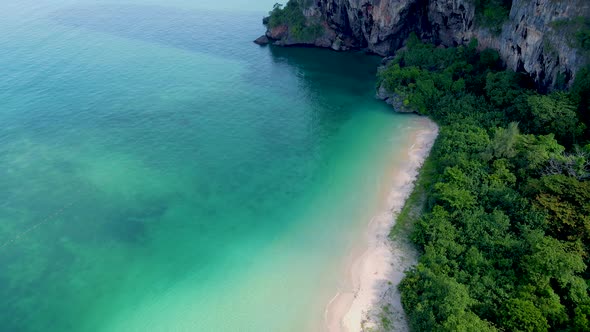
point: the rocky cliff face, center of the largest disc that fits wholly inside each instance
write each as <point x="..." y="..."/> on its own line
<point x="529" y="40"/>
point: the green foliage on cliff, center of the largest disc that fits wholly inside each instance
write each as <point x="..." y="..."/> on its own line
<point x="492" y="13"/>
<point x="292" y="16"/>
<point x="577" y="30"/>
<point x="505" y="237"/>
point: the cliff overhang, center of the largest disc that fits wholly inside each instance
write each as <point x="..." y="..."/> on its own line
<point x="533" y="38"/>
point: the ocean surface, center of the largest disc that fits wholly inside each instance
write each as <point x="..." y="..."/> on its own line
<point x="160" y="172"/>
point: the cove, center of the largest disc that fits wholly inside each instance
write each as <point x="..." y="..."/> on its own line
<point x="161" y="172"/>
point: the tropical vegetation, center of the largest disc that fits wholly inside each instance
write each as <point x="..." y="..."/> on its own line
<point x="492" y="13"/>
<point x="505" y="232"/>
<point x="291" y="15"/>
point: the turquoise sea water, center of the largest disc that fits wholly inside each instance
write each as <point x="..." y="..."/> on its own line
<point x="160" y="172"/>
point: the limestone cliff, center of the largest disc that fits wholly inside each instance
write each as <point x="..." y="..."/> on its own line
<point x="532" y="39"/>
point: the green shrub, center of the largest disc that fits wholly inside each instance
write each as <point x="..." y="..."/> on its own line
<point x="292" y="16"/>
<point x="492" y="13"/>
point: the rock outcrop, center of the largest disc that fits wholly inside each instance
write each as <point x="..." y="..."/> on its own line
<point x="529" y="40"/>
<point x="262" y="40"/>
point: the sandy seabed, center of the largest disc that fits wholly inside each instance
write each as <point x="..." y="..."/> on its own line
<point x="377" y="266"/>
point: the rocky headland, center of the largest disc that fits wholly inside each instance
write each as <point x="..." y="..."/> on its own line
<point x="536" y="38"/>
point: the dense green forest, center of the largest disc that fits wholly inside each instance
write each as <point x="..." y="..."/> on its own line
<point x="505" y="232"/>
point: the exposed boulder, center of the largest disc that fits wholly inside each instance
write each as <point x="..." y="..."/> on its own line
<point x="262" y="40"/>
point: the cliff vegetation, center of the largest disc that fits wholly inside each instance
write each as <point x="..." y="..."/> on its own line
<point x="578" y="28"/>
<point x="492" y="13"/>
<point x="291" y="16"/>
<point x="505" y="234"/>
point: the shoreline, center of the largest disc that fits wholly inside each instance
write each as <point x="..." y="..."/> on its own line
<point x="377" y="265"/>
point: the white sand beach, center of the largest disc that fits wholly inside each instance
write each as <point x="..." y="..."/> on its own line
<point x="377" y="265"/>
